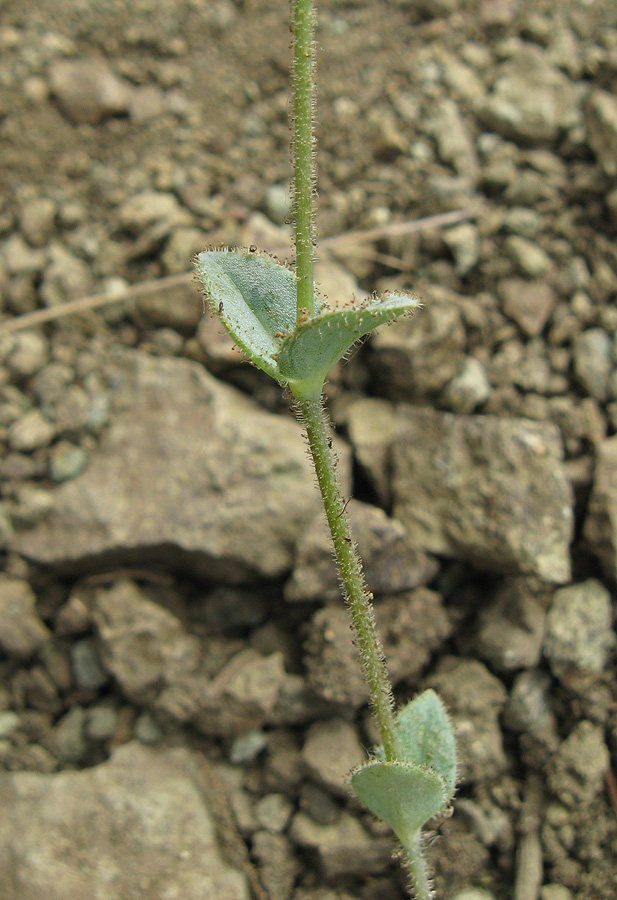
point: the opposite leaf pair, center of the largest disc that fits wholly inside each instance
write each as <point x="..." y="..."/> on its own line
<point x="255" y="298"/>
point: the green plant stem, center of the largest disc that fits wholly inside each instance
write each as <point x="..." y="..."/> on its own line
<point x="350" y="570"/>
<point x="417" y="868"/>
<point x="302" y="24"/>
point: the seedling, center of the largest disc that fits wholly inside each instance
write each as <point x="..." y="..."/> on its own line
<point x="276" y="317"/>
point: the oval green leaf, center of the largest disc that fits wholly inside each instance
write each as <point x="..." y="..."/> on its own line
<point x="255" y="298"/>
<point x="426" y="737"/>
<point x="313" y="347"/>
<point x="402" y="795"/>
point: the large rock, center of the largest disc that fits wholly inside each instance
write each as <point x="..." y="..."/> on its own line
<point x="489" y="491"/>
<point x="137" y="827"/>
<point x="190" y="473"/>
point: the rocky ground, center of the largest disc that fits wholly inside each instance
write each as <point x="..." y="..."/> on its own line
<point x="179" y="697"/>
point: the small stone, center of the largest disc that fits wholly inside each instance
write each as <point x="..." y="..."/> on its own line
<point x="20" y="259"/>
<point x="528" y="303"/>
<point x="277" y="863"/>
<point x="468" y="390"/>
<point x="319" y="804"/>
<point x="88" y="91"/>
<point x="86" y="664"/>
<point x="331" y="750"/>
<point x="246" y="747"/>
<point x="523" y="221"/>
<point x="69" y="736"/>
<point x="29" y="354"/>
<point x="22" y="632"/>
<point x="147" y="729"/>
<point x="31" y="504"/>
<point x="9" y="723"/>
<point x="528" y="708"/>
<point x="579" y="633"/>
<point x="601" y="115"/>
<point x="464" y="244"/>
<point x="600" y="528"/>
<point x="342" y="849"/>
<point x="273" y="812"/>
<point x="555" y="892"/>
<point x="66" y="460"/>
<point x="66" y="277"/>
<point x="277" y="203"/>
<point x="36" y="220"/>
<point x="149" y="207"/>
<point x="31" y="432"/>
<point x="509" y="632"/>
<point x="593" y="362"/>
<point x="576" y="773"/>
<point x="183" y="244"/>
<point x="101" y="722"/>
<point x="530" y="259"/>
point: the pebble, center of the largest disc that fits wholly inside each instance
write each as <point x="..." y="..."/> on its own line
<point x="101" y="722"/>
<point x="69" y="736"/>
<point x="530" y="259"/>
<point x="88" y="91"/>
<point x="30" y="432"/>
<point x="578" y="634"/>
<point x="29" y="354"/>
<point x="277" y="203"/>
<point x="86" y="664"/>
<point x="468" y="390"/>
<point x="576" y="773"/>
<point x="247" y="747"/>
<point x="66" y="461"/>
<point x="528" y="708"/>
<point x="9" y="723"/>
<point x="147" y="729"/>
<point x="464" y="244"/>
<point x="37" y="220"/>
<point x="601" y="117"/>
<point x="19" y="258"/>
<point x="331" y="750"/>
<point x="528" y="303"/>
<point x="66" y="277"/>
<point x="22" y="632"/>
<point x="273" y="812"/>
<point x="509" y="631"/>
<point x="593" y="352"/>
<point x="555" y="892"/>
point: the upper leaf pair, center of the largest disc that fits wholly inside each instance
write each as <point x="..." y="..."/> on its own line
<point x="255" y="298"/>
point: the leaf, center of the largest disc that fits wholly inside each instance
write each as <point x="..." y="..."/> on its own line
<point x="403" y="795"/>
<point x="426" y="737"/>
<point x="255" y="299"/>
<point x="313" y="347"/>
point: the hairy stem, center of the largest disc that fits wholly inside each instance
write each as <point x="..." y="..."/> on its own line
<point x="417" y="868"/>
<point x="352" y="579"/>
<point x="302" y="26"/>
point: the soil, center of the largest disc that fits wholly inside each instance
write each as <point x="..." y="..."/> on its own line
<point x="173" y="137"/>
